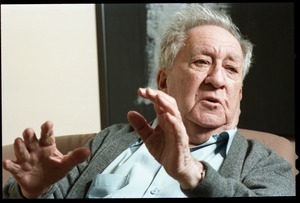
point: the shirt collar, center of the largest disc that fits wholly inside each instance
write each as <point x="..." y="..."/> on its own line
<point x="215" y="138"/>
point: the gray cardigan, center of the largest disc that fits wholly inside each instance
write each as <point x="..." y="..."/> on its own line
<point x="250" y="169"/>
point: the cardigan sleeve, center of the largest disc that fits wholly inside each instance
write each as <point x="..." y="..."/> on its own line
<point x="250" y="169"/>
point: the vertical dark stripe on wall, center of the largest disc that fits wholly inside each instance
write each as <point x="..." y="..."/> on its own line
<point x="102" y="65"/>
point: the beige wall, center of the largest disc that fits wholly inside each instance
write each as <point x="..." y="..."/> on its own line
<point x="49" y="69"/>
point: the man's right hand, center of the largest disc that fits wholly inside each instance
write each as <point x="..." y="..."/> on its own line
<point x="39" y="164"/>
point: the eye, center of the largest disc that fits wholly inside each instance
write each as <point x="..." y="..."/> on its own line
<point x="232" y="69"/>
<point x="202" y="62"/>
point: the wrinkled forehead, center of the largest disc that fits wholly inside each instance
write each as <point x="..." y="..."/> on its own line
<point x="209" y="39"/>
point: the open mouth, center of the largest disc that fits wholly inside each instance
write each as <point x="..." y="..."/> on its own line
<point x="213" y="100"/>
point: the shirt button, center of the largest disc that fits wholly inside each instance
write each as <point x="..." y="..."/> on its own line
<point x="154" y="191"/>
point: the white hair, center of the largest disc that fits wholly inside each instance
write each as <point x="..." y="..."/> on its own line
<point x="194" y="15"/>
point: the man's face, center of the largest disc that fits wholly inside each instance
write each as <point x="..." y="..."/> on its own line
<point x="206" y="78"/>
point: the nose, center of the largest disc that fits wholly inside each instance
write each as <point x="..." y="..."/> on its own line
<point x="215" y="76"/>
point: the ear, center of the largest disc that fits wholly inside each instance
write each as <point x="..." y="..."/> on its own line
<point x="161" y="79"/>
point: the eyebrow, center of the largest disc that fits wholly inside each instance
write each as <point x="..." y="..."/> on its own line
<point x="209" y="50"/>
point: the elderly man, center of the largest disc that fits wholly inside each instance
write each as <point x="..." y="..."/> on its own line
<point x="192" y="148"/>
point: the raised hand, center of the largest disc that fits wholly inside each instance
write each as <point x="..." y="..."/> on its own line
<point x="38" y="163"/>
<point x="168" y="142"/>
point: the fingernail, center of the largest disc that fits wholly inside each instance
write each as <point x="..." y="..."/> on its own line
<point x="49" y="133"/>
<point x="150" y="91"/>
<point x="142" y="90"/>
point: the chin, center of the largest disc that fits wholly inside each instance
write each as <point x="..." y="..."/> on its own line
<point x="209" y="123"/>
<point x="208" y="120"/>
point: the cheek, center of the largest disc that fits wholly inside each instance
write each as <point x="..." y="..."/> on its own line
<point x="185" y="83"/>
<point x="234" y="96"/>
<point x="185" y="90"/>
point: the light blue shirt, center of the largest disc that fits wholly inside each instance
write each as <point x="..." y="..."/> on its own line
<point x="136" y="174"/>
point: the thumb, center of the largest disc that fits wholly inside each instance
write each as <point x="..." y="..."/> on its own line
<point x="140" y="125"/>
<point x="77" y="156"/>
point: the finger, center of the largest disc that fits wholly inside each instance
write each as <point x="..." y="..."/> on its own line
<point x="175" y="124"/>
<point x="30" y="139"/>
<point x="158" y="109"/>
<point x="168" y="104"/>
<point x="151" y="94"/>
<point x="140" y="124"/>
<point x="147" y="93"/>
<point x="162" y="101"/>
<point x="21" y="151"/>
<point x="10" y="166"/>
<point x="47" y="137"/>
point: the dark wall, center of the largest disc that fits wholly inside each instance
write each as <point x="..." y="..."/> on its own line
<point x="125" y="37"/>
<point x="269" y="90"/>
